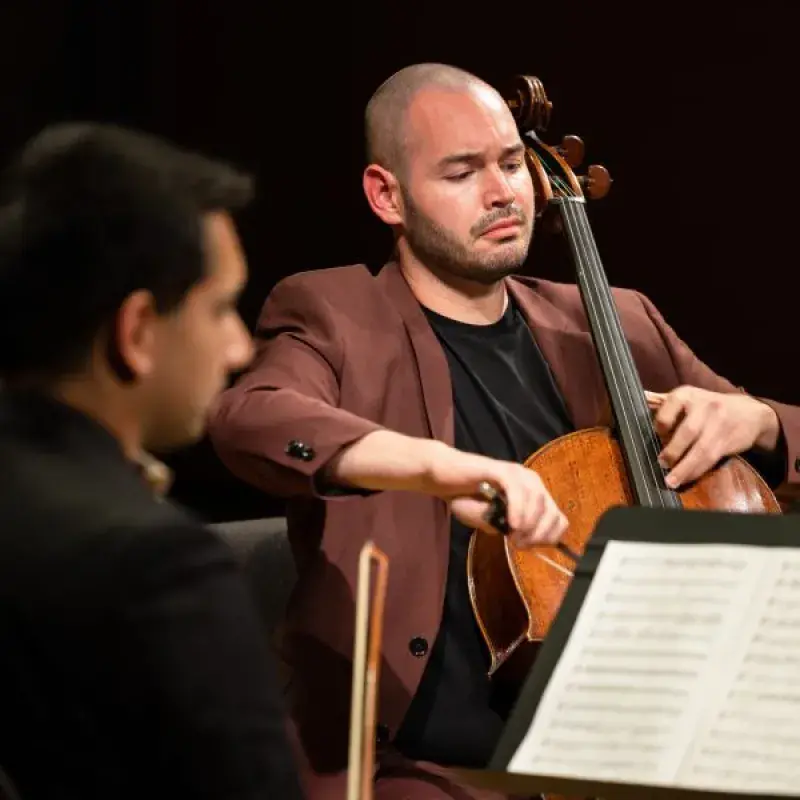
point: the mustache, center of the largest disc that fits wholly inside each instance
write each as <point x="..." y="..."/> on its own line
<point x="499" y="215"/>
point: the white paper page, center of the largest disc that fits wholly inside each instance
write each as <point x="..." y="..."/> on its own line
<point x="656" y="623"/>
<point x="750" y="742"/>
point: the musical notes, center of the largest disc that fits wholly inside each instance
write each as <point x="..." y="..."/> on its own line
<point x="681" y="670"/>
<point x="749" y="739"/>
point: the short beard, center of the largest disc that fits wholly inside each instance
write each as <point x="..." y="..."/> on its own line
<point x="444" y="255"/>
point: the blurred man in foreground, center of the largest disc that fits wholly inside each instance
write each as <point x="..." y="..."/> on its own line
<point x="133" y="663"/>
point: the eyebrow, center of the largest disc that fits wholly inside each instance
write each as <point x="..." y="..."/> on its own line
<point x="472" y="157"/>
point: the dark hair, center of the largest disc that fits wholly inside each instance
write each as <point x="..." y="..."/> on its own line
<point x="91" y="213"/>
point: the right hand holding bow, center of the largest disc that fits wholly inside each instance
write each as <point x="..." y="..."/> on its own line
<point x="532" y="515"/>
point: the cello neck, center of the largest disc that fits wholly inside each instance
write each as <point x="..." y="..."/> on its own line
<point x="638" y="439"/>
<point x="555" y="183"/>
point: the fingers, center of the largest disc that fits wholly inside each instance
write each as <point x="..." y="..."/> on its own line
<point x="540" y="521"/>
<point x="709" y="439"/>
<point x="695" y="433"/>
<point x="524" y="500"/>
<point x="532" y="515"/>
<point x="670" y="408"/>
<point x="683" y="437"/>
<point x="694" y="465"/>
<point x="548" y="530"/>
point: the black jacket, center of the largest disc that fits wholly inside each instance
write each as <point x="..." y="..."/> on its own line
<point x="132" y="663"/>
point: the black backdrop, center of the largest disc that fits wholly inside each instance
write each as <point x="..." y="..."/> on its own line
<point x="689" y="105"/>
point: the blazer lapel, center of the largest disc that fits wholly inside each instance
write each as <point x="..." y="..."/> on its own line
<point x="568" y="350"/>
<point x="432" y="367"/>
<point x="570" y="353"/>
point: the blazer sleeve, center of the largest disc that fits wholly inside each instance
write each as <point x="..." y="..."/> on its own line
<point x="782" y="468"/>
<point x="280" y="423"/>
<point x="190" y="675"/>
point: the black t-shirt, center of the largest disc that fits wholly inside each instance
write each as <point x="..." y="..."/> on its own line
<point x="507" y="405"/>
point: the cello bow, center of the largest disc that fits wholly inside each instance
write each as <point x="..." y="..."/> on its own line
<point x="370" y="601"/>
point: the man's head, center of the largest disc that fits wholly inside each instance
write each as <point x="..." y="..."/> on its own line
<point x="446" y="164"/>
<point x="120" y="269"/>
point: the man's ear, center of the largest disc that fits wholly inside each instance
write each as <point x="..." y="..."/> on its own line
<point x="133" y="335"/>
<point x="383" y="194"/>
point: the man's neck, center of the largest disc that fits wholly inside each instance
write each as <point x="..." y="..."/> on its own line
<point x="459" y="299"/>
<point x="99" y="403"/>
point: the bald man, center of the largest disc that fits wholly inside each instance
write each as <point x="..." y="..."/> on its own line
<point x="377" y="405"/>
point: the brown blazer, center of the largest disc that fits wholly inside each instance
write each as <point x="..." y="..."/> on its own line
<point x="340" y="354"/>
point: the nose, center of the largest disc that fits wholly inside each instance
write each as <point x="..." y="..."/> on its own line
<point x="498" y="191"/>
<point x="241" y="349"/>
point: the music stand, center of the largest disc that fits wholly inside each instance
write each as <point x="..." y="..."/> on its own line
<point x="633" y="524"/>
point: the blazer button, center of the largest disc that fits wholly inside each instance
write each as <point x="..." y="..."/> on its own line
<point x="381" y="734"/>
<point x="418" y="646"/>
<point x="297" y="449"/>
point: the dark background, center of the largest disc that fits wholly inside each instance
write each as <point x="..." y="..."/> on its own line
<point x="689" y="105"/>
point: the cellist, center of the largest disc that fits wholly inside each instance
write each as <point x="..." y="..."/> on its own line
<point x="377" y="405"/>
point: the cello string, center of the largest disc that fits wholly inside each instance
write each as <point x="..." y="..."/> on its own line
<point x="646" y="427"/>
<point x="642" y="419"/>
<point x="637" y="398"/>
<point x="643" y="423"/>
<point x="641" y="413"/>
<point x="594" y="303"/>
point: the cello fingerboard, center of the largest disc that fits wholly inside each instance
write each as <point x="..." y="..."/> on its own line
<point x="640" y="443"/>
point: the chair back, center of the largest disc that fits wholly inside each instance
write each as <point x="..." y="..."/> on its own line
<point x="262" y="546"/>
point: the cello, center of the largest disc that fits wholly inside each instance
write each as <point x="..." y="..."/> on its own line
<point x="516" y="594"/>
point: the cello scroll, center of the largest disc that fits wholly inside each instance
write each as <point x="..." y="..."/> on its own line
<point x="551" y="167"/>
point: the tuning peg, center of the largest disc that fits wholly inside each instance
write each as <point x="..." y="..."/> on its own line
<point x="571" y="150"/>
<point x="596" y="183"/>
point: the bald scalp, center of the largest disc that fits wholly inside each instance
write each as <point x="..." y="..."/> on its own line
<point x="386" y="113"/>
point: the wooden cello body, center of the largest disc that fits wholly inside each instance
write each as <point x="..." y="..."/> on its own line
<point x="516" y="594"/>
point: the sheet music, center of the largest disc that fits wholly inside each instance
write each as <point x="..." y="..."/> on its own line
<point x="681" y="669"/>
<point x="750" y="739"/>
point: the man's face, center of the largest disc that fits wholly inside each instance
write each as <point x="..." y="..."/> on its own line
<point x="199" y="345"/>
<point x="468" y="196"/>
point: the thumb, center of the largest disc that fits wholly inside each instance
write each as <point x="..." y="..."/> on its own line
<point x="473" y="513"/>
